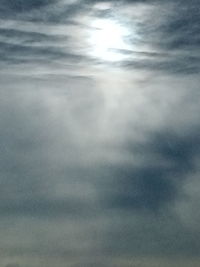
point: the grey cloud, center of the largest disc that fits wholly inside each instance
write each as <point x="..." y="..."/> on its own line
<point x="44" y="208"/>
<point x="154" y="188"/>
<point x="29" y="37"/>
<point x="19" y="47"/>
<point x="99" y="160"/>
<point x="19" y="6"/>
<point x="183" y="27"/>
<point x="171" y="64"/>
<point x="177" y="33"/>
<point x="47" y="11"/>
<point x="26" y="151"/>
<point x="172" y="35"/>
<point x="147" y="236"/>
<point x="16" y="54"/>
<point x="12" y="265"/>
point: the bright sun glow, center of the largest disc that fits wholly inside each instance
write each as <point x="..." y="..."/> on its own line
<point x="107" y="39"/>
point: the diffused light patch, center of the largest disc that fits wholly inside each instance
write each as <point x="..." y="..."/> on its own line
<point x="107" y="39"/>
<point x="103" y="6"/>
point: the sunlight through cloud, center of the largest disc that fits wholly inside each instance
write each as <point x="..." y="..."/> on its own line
<point x="107" y="39"/>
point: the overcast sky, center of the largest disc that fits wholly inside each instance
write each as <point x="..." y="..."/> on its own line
<point x="99" y="133"/>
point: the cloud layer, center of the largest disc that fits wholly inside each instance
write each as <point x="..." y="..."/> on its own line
<point x="99" y="154"/>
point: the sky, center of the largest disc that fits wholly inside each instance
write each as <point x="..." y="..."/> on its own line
<point x="99" y="133"/>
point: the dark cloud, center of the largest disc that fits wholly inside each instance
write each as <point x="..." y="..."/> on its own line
<point x="44" y="208"/>
<point x="22" y="53"/>
<point x="173" y="65"/>
<point x="29" y="37"/>
<point x="20" y="6"/>
<point x="154" y="188"/>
